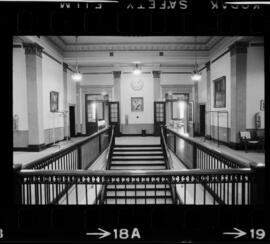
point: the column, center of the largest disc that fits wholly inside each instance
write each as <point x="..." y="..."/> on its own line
<point x="196" y="109"/>
<point x="116" y="82"/>
<point x="33" y="55"/>
<point x="78" y="110"/>
<point x="156" y="77"/>
<point x="238" y="52"/>
<point x="65" y="104"/>
<point x="208" y="101"/>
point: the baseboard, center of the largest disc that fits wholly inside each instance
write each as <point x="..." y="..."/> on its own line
<point x="31" y="148"/>
<point x="233" y="145"/>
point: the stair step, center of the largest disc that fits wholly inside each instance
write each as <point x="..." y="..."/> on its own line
<point x="137" y="154"/>
<point x="137" y="145"/>
<point x="138" y="159"/>
<point x="138" y="193"/>
<point x="137" y="150"/>
<point x="141" y="162"/>
<point x="139" y="197"/>
<point x="138" y="187"/>
<point x="138" y="167"/>
<point x="138" y="201"/>
<point x="130" y="164"/>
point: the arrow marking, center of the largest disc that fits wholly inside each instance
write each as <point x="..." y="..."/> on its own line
<point x="238" y="233"/>
<point x="102" y="234"/>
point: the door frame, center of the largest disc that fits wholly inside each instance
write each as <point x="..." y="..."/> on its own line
<point x="199" y="115"/>
<point x="117" y="125"/>
<point x="86" y="112"/>
<point x="72" y="105"/>
<point x="156" y="123"/>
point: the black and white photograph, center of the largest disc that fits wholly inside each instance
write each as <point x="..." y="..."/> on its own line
<point x="138" y="121"/>
<point x="208" y="150"/>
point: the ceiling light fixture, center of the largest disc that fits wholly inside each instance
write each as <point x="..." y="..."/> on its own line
<point x="76" y="76"/>
<point x="196" y="75"/>
<point x="137" y="70"/>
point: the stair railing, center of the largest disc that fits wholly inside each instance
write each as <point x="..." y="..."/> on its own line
<point x="110" y="148"/>
<point x="169" y="164"/>
<point x="241" y="186"/>
<point x="101" y="196"/>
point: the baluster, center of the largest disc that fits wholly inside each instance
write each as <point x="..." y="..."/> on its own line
<point x="115" y="190"/>
<point x="86" y="193"/>
<point x="155" y="187"/>
<point x="233" y="192"/>
<point x="79" y="150"/>
<point x="95" y="184"/>
<point x="76" y="191"/>
<point x="125" y="193"/>
<point x="204" y="195"/>
<point x="135" y="191"/>
<point x="194" y="193"/>
<point x="185" y="192"/>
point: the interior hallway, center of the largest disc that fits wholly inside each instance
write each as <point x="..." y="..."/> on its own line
<point x="28" y="157"/>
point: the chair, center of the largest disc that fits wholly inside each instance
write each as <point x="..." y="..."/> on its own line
<point x="246" y="139"/>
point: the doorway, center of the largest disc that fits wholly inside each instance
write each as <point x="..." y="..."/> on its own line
<point x="71" y="121"/>
<point x="202" y="119"/>
<point x="114" y="116"/>
<point x="159" y="116"/>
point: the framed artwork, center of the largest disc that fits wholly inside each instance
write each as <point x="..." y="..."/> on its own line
<point x="136" y="104"/>
<point x="54" y="101"/>
<point x="220" y="92"/>
<point x="262" y="105"/>
<point x="190" y="112"/>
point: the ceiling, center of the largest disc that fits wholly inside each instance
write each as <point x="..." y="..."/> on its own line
<point x="123" y="51"/>
<point x="126" y="43"/>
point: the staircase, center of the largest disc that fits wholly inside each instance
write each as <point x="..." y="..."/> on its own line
<point x="138" y="157"/>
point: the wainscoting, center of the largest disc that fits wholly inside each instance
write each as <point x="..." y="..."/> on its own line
<point x="222" y="133"/>
<point x="20" y="138"/>
<point x="49" y="135"/>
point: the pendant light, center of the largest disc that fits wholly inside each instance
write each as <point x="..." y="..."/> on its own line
<point x="137" y="70"/>
<point x="196" y="75"/>
<point x="76" y="76"/>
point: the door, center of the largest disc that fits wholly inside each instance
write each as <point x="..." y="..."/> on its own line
<point x="71" y="121"/>
<point x="159" y="116"/>
<point x="202" y="120"/>
<point x="91" y="117"/>
<point x="114" y="116"/>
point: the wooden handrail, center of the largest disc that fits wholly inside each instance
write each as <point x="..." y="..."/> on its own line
<point x="201" y="145"/>
<point x="172" y="172"/>
<point x="165" y="149"/>
<point x="65" y="150"/>
<point x="110" y="148"/>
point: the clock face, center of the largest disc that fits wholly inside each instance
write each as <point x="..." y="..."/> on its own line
<point x="137" y="85"/>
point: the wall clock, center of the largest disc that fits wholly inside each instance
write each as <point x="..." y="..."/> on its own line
<point x="137" y="85"/>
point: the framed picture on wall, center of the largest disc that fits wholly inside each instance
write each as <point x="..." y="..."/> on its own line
<point x="262" y="105"/>
<point x="137" y="104"/>
<point x="220" y="92"/>
<point x="54" y="101"/>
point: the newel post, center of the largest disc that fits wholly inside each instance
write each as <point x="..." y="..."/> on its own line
<point x="258" y="183"/>
<point x="79" y="157"/>
<point x="17" y="184"/>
